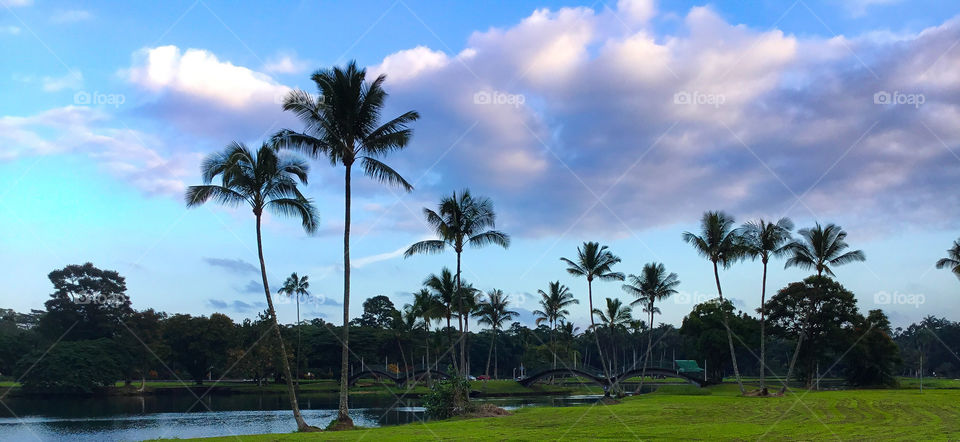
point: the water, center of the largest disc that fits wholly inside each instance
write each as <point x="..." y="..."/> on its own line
<point x="181" y="416"/>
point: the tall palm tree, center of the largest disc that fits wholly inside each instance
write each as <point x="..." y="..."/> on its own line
<point x="616" y="317"/>
<point x="554" y="303"/>
<point x="952" y="261"/>
<point x="469" y="305"/>
<point x="719" y="242"/>
<point x="402" y="324"/>
<point x="652" y="285"/>
<point x="459" y="221"/>
<point x="266" y="180"/>
<point x="296" y="286"/>
<point x="594" y="262"/>
<point x="425" y="306"/>
<point x="342" y="125"/>
<point x="443" y="288"/>
<point x="494" y="312"/>
<point x="763" y="239"/>
<point x="818" y="248"/>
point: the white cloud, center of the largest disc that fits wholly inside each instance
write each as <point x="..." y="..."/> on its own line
<point x="199" y="73"/>
<point x="71" y="16"/>
<point x="72" y="80"/>
<point x="636" y="11"/>
<point x="286" y="63"/>
<point x="128" y="154"/>
<point x="17" y="3"/>
<point x="11" y="30"/>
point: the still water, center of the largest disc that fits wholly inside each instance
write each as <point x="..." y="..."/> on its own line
<point x="182" y="416"/>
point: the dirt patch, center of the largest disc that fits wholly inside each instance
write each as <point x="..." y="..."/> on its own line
<point x="337" y="425"/>
<point x="487" y="410"/>
<point x="609" y="401"/>
<point x="763" y="392"/>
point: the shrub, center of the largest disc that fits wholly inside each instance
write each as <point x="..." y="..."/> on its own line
<point x="71" y="367"/>
<point x="448" y="398"/>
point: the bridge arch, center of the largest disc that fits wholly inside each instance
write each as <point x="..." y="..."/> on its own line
<point x="657" y="371"/>
<point x="529" y="380"/>
<point x="375" y="372"/>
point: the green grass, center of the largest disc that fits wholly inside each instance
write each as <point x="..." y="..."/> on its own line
<point x="851" y="414"/>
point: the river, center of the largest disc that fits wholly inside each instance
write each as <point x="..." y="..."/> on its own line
<point x="182" y="416"/>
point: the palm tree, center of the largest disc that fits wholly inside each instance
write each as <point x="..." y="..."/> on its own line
<point x="952" y="261"/>
<point x="615" y="317"/>
<point x="469" y="306"/>
<point x="718" y="242"/>
<point x="554" y="303"/>
<point x="342" y="125"/>
<point x="264" y="180"/>
<point x="425" y="306"/>
<point x="403" y="323"/>
<point x="652" y="285"/>
<point x="818" y="248"/>
<point x="443" y="288"/>
<point x="458" y="221"/>
<point x="594" y="261"/>
<point x="764" y="239"/>
<point x="493" y="312"/>
<point x="296" y="286"/>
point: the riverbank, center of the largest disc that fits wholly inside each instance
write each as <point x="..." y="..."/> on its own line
<point x="492" y="388"/>
<point x="716" y="412"/>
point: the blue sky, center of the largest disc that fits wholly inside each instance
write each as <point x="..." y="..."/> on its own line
<point x="108" y="108"/>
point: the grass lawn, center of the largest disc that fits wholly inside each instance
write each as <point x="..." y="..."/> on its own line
<point x="682" y="412"/>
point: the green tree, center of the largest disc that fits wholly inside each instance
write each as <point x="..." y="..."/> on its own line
<point x="494" y="312"/>
<point x="952" y="261"/>
<point x="594" y="262"/>
<point x="378" y="312"/>
<point x="554" y="303"/>
<point x="763" y="239"/>
<point x="818" y="309"/>
<point x="875" y="357"/>
<point x="199" y="345"/>
<point x="443" y="289"/>
<point x="265" y="180"/>
<point x="819" y="248"/>
<point x="296" y="286"/>
<point x="460" y="221"/>
<point x="719" y="243"/>
<point x="71" y="367"/>
<point x="87" y="303"/>
<point x="343" y="125"/>
<point x="704" y="328"/>
<point x="652" y="285"/>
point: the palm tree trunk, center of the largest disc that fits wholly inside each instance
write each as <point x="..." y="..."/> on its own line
<point x="301" y="424"/>
<point x="299" y="346"/>
<point x="490" y="353"/>
<point x="763" y="339"/>
<point x="726" y="325"/>
<point x="646" y="356"/>
<point x="796" y="351"/>
<point x="450" y="344"/>
<point x="460" y="318"/>
<point x="343" y="418"/>
<point x="596" y="333"/>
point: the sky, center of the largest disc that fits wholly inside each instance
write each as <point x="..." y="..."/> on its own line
<point x="619" y="122"/>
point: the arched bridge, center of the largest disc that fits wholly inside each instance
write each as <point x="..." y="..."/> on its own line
<point x="398" y="378"/>
<point x="603" y="381"/>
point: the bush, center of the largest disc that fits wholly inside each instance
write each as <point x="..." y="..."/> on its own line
<point x="448" y="398"/>
<point x="71" y="367"/>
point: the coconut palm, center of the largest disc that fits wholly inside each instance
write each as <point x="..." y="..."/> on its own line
<point x="469" y="305"/>
<point x="818" y="248"/>
<point x="443" y="288"/>
<point x="342" y="125"/>
<point x="554" y="303"/>
<point x="616" y="317"/>
<point x="719" y="243"/>
<point x="296" y="286"/>
<point x="426" y="306"/>
<point x="461" y="220"/>
<point x="266" y="180"/>
<point x="763" y="239"/>
<point x="652" y="285"/>
<point x="402" y="324"/>
<point x="952" y="261"/>
<point x="594" y="262"/>
<point x="494" y="312"/>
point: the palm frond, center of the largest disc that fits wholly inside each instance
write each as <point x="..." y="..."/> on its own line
<point x="425" y="247"/>
<point x="383" y="173"/>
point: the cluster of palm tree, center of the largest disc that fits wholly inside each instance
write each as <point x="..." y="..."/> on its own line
<point x="341" y="125"/>
<point x="952" y="261"/>
<point x="819" y="248"/>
